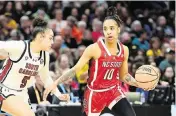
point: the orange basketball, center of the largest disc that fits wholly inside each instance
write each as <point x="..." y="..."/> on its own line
<point x="147" y="76"/>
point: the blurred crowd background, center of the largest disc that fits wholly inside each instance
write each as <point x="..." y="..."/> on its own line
<point x="148" y="30"/>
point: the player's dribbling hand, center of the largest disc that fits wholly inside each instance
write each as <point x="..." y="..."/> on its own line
<point x="64" y="97"/>
<point x="49" y="89"/>
<point x="148" y="88"/>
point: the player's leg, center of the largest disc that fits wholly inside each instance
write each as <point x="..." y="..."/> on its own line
<point x="91" y="103"/>
<point x="15" y="106"/>
<point x="123" y="108"/>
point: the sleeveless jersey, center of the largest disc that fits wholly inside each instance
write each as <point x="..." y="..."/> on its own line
<point x="104" y="71"/>
<point x="19" y="74"/>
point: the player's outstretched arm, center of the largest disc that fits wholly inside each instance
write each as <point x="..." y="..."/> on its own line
<point x="87" y="55"/>
<point x="11" y="49"/>
<point x="47" y="80"/>
<point x="3" y="52"/>
<point x="124" y="75"/>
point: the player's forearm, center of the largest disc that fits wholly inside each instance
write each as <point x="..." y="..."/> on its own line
<point x="129" y="80"/>
<point x="3" y="57"/>
<point x="67" y="75"/>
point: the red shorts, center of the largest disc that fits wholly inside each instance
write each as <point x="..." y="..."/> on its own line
<point x="95" y="101"/>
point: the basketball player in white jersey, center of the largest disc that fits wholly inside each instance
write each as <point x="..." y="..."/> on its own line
<point x="25" y="60"/>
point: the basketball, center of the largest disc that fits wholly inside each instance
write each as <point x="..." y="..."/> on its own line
<point x="147" y="76"/>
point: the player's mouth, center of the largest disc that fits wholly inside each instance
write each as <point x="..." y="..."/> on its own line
<point x="110" y="38"/>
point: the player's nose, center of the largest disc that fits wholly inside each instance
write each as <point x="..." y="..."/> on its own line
<point x="108" y="32"/>
<point x="52" y="41"/>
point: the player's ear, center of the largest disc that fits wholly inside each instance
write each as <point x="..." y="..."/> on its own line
<point x="41" y="36"/>
<point x="118" y="29"/>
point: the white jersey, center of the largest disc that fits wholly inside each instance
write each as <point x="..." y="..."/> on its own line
<point x="22" y="65"/>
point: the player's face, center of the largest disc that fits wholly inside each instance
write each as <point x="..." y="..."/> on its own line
<point x="110" y="30"/>
<point x="47" y="40"/>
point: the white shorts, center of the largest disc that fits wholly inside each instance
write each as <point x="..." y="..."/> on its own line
<point x="6" y="92"/>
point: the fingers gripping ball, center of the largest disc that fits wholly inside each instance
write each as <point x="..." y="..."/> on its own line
<point x="147" y="76"/>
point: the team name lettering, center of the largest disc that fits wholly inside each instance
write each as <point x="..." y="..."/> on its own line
<point x="29" y="69"/>
<point x="111" y="64"/>
<point x="28" y="72"/>
<point x="32" y="67"/>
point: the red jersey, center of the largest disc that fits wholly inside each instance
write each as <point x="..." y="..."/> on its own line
<point x="104" y="71"/>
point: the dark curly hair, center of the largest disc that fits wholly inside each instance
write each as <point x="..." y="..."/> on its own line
<point x="112" y="14"/>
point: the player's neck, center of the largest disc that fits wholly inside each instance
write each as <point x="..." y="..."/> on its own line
<point x="35" y="47"/>
<point x="111" y="45"/>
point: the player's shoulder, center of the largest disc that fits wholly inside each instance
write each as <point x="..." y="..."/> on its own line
<point x="15" y="42"/>
<point x="92" y="47"/>
<point x="125" y="48"/>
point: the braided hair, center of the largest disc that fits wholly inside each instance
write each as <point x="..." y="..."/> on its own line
<point x="112" y="14"/>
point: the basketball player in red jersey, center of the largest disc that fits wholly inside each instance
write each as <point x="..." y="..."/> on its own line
<point x="24" y="60"/>
<point x="108" y="65"/>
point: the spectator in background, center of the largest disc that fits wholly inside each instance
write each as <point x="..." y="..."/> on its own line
<point x="11" y="23"/>
<point x="61" y="65"/>
<point x="172" y="43"/>
<point x="167" y="77"/>
<point x="36" y="92"/>
<point x="154" y="50"/>
<point x="141" y="42"/>
<point x="169" y="60"/>
<point x="70" y="54"/>
<point x="97" y="26"/>
<point x="136" y="28"/>
<point x="1" y="7"/>
<point x="18" y="12"/>
<point x="75" y="33"/>
<point x="16" y="35"/>
<point x="55" y="51"/>
<point x="42" y="14"/>
<point x="58" y="23"/>
<point x="85" y="19"/>
<point x="99" y="13"/>
<point x="56" y="5"/>
<point x="4" y="30"/>
<point x="68" y="39"/>
<point x="25" y="27"/>
<point x="8" y="7"/>
<point x="125" y="38"/>
<point x="74" y="12"/>
<point x="124" y="13"/>
<point x="87" y="40"/>
<point x="161" y="22"/>
<point x="82" y="27"/>
<point x="160" y="58"/>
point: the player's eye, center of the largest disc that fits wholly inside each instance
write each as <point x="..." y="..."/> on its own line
<point x="104" y="29"/>
<point x="112" y="28"/>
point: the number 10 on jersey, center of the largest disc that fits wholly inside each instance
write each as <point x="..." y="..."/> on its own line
<point x="109" y="74"/>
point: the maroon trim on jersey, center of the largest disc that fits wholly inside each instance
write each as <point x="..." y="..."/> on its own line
<point x="1" y="98"/>
<point x="6" y="70"/>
